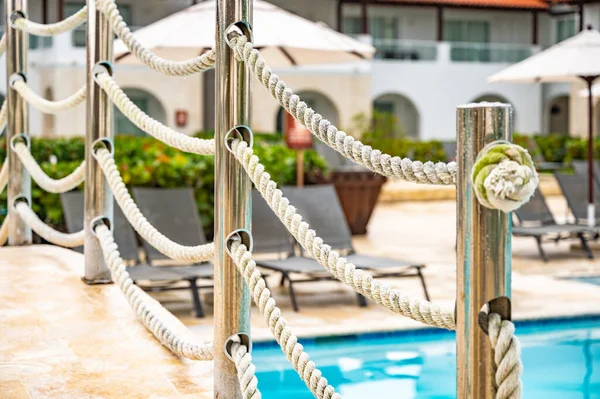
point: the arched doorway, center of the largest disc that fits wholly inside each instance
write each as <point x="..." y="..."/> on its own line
<point x="148" y="103"/>
<point x="318" y="102"/>
<point x="559" y="114"/>
<point x="405" y="119"/>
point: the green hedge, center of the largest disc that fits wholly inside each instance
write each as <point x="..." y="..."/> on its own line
<point x="144" y="161"/>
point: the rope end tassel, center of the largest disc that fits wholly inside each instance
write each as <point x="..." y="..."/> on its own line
<point x="504" y="176"/>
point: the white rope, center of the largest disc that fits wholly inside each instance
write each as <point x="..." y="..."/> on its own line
<point x="507" y="358"/>
<point x="145" y="55"/>
<point x="361" y="281"/>
<point x="3" y="116"/>
<point x="151" y="126"/>
<point x="3" y="176"/>
<point x="4" y="231"/>
<point x="67" y="24"/>
<point x="49" y="184"/>
<point x="384" y="164"/>
<point x="174" y="337"/>
<point x="46" y="232"/>
<point x="3" y="45"/>
<point x="199" y="253"/>
<point x="245" y="370"/>
<point x="47" y="106"/>
<point x="294" y="351"/>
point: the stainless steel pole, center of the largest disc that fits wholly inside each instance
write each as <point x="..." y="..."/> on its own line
<point x="19" y="182"/>
<point x="98" y="197"/>
<point x="232" y="197"/>
<point x="483" y="265"/>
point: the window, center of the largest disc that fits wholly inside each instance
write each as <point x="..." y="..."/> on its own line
<point x="352" y="25"/>
<point x="467" y="37"/>
<point x="79" y="33"/>
<point x="565" y="28"/>
<point x="383" y="28"/>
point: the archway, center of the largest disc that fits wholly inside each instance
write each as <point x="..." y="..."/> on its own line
<point x="496" y="98"/>
<point x="559" y="114"/>
<point x="148" y="103"/>
<point x="405" y="115"/>
<point x="317" y="101"/>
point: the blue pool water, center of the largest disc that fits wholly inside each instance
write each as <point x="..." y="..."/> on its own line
<point x="561" y="360"/>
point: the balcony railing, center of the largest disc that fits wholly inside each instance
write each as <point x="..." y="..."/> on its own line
<point x="411" y="50"/>
<point x="423" y="50"/>
<point x="489" y="52"/>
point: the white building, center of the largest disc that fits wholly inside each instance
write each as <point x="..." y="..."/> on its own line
<point x="432" y="55"/>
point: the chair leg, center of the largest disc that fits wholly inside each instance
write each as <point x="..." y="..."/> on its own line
<point x="423" y="283"/>
<point x="292" y="293"/>
<point x="586" y="247"/>
<point x="542" y="253"/>
<point x="362" y="301"/>
<point x="198" y="311"/>
<point x="282" y="281"/>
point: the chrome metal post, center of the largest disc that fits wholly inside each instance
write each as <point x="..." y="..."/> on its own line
<point x="232" y="197"/>
<point x="19" y="182"/>
<point x="483" y="268"/>
<point x="98" y="197"/>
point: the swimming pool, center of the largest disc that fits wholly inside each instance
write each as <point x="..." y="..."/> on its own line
<point x="561" y="361"/>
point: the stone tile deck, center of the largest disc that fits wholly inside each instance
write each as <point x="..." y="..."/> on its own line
<point x="62" y="339"/>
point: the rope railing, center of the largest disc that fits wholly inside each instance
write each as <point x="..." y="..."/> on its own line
<point x="284" y="336"/>
<point x="149" y="125"/>
<point x="361" y="281"/>
<point x="245" y="370"/>
<point x="3" y="44"/>
<point x="4" y="230"/>
<point x="200" y="253"/>
<point x="507" y="357"/>
<point x="49" y="184"/>
<point x="3" y="116"/>
<point x="3" y="176"/>
<point x="48" y="106"/>
<point x="46" y="232"/>
<point x="160" y="322"/>
<point x="348" y="146"/>
<point x="145" y="55"/>
<point x="67" y="24"/>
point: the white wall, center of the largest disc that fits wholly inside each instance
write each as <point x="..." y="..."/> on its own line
<point x="437" y="90"/>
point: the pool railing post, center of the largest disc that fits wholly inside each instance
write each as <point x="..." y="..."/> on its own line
<point x="483" y="249"/>
<point x="19" y="181"/>
<point x="99" y="126"/>
<point x="232" y="197"/>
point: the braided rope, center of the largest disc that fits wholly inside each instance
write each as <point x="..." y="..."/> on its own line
<point x="361" y="281"/>
<point x="46" y="232"/>
<point x="294" y="351"/>
<point x="200" y="253"/>
<point x="3" y="44"/>
<point x="145" y="55"/>
<point x="3" y="176"/>
<point x="4" y="231"/>
<point x="49" y="184"/>
<point x="507" y="358"/>
<point x="245" y="370"/>
<point x="173" y="335"/>
<point x="3" y="116"/>
<point x="384" y="164"/>
<point x="47" y="106"/>
<point x="67" y="24"/>
<point x="151" y="126"/>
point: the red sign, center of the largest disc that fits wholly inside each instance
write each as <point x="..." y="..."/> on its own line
<point x="181" y="117"/>
<point x="297" y="137"/>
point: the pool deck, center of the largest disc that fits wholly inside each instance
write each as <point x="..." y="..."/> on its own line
<point x="63" y="339"/>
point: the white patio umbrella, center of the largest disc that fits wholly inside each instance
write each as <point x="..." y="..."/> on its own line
<point x="285" y="39"/>
<point x="574" y="59"/>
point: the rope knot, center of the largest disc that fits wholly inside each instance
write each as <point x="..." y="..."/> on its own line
<point x="504" y="176"/>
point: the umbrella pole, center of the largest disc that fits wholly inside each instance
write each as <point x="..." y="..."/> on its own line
<point x="591" y="201"/>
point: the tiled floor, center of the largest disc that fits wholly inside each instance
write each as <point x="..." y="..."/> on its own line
<point x="63" y="339"/>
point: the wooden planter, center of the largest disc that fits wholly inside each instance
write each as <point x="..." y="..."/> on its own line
<point x="358" y="190"/>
